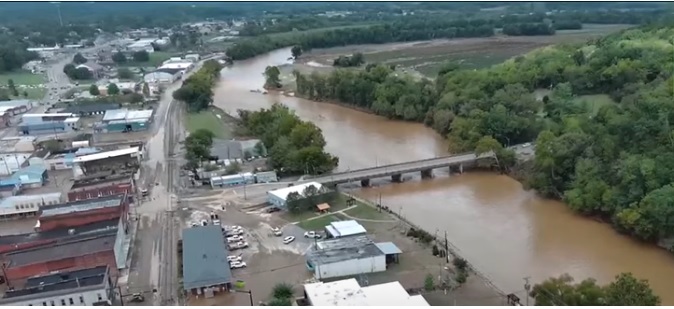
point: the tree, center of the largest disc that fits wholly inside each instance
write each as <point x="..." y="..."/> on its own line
<point x="93" y="90"/>
<point x="280" y="302"/>
<point x="296" y="51"/>
<point x="4" y="95"/>
<point x="79" y="59"/>
<point x="12" y="87"/>
<point x="282" y="291"/>
<point x="429" y="285"/>
<point x="141" y="56"/>
<point x="113" y="89"/>
<point x="25" y="94"/>
<point x="626" y="290"/>
<point x="487" y="144"/>
<point x="124" y="73"/>
<point x="119" y="58"/>
<point x="272" y="77"/>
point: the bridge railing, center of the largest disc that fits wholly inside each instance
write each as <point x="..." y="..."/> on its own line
<point x="392" y="165"/>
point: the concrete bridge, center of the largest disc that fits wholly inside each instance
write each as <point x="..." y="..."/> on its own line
<point x="395" y="171"/>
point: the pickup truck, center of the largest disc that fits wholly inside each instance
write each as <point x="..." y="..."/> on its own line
<point x="312" y="234"/>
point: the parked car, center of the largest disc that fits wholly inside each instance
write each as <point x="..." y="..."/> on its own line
<point x="272" y="209"/>
<point x="277" y="231"/>
<point x="137" y="298"/>
<point x="230" y="233"/>
<point x="288" y="239"/>
<point x="237" y="264"/>
<point x="204" y="222"/>
<point x="216" y="222"/>
<point x="238" y="245"/>
<point x="234" y="258"/>
<point x="235" y="239"/>
<point x="312" y="234"/>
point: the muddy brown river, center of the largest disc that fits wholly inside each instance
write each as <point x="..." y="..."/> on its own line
<point x="507" y="233"/>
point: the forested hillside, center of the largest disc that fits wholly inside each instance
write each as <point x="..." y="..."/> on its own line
<point x="614" y="161"/>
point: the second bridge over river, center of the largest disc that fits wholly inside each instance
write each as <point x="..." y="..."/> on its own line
<point x="395" y="171"/>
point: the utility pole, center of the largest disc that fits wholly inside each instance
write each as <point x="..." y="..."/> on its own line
<point x="58" y="8"/>
<point x="527" y="287"/>
<point x="446" y="247"/>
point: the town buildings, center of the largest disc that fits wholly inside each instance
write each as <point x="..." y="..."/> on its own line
<point x="85" y="287"/>
<point x="347" y="228"/>
<point x="22" y="206"/>
<point x="124" y="120"/>
<point x="94" y="68"/>
<point x="124" y="161"/>
<point x="94" y="187"/>
<point x="56" y="123"/>
<point x="163" y="76"/>
<point x="92" y="109"/>
<point x="205" y="265"/>
<point x="348" y="292"/>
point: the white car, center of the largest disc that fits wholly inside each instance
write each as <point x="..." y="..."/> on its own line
<point x="204" y="222"/>
<point x="277" y="231"/>
<point x="238" y="245"/>
<point x="234" y="258"/>
<point x="233" y="232"/>
<point x="288" y="239"/>
<point x="237" y="264"/>
<point x="216" y="222"/>
<point x="235" y="239"/>
<point x="312" y="234"/>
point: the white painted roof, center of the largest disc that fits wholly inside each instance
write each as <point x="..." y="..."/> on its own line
<point x="115" y="114"/>
<point x="283" y="192"/>
<point x="349" y="293"/>
<point x="144" y="114"/>
<point x="347" y="228"/>
<point x="47" y="115"/>
<point x="176" y="65"/>
<point x="107" y="154"/>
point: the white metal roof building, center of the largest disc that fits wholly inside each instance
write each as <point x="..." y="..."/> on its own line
<point x="184" y="65"/>
<point x="346" y="228"/>
<point x="135" y="151"/>
<point x="278" y="197"/>
<point x="349" y="293"/>
<point x="343" y="257"/>
<point x="25" y="205"/>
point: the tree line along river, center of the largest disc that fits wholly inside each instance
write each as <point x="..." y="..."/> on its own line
<point x="507" y="233"/>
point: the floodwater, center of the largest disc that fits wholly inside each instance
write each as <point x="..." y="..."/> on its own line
<point x="507" y="233"/>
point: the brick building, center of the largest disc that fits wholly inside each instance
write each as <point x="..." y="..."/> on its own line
<point x="96" y="251"/>
<point x="78" y="213"/>
<point x="93" y="188"/>
<point x="11" y="243"/>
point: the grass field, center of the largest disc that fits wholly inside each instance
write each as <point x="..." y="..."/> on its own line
<point x="156" y="60"/>
<point x="596" y="101"/>
<point x="21" y="78"/>
<point x="33" y="93"/>
<point x="208" y="120"/>
<point x="427" y="57"/>
<point x="363" y="211"/>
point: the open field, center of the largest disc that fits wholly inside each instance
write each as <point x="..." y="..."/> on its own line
<point x="595" y="101"/>
<point x="292" y="33"/>
<point x="33" y="93"/>
<point x="21" y="78"/>
<point x="156" y="60"/>
<point x="209" y="119"/>
<point x="427" y="57"/>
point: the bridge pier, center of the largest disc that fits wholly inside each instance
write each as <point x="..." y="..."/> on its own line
<point x="365" y="182"/>
<point x="397" y="177"/>
<point x="461" y="168"/>
<point x="427" y="173"/>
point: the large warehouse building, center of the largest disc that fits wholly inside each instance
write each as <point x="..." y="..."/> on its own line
<point x="278" y="197"/>
<point x="345" y="257"/>
<point x="349" y="293"/>
<point x="205" y="265"/>
<point x="124" y="120"/>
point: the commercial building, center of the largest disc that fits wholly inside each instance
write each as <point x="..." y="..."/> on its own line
<point x="266" y="177"/>
<point x="124" y="161"/>
<point x="85" y="287"/>
<point x="16" y="107"/>
<point x="205" y="265"/>
<point x="11" y="243"/>
<point x="63" y="159"/>
<point x="124" y="120"/>
<point x="82" y="212"/>
<point x="348" y="292"/>
<point x="48" y="123"/>
<point x="181" y="65"/>
<point x="25" y="144"/>
<point x="95" y="69"/>
<point x="22" y="206"/>
<point x="142" y="45"/>
<point x="232" y="180"/>
<point x="343" y="257"/>
<point x="10" y="163"/>
<point x="192" y="57"/>
<point x="278" y="197"/>
<point x="95" y="187"/>
<point x="67" y="256"/>
<point x="338" y="229"/>
<point x="93" y="109"/>
<point x="163" y="76"/>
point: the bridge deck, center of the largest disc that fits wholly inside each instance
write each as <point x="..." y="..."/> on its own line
<point x="400" y="168"/>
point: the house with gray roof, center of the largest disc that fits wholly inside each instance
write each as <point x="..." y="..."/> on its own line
<point x="205" y="265"/>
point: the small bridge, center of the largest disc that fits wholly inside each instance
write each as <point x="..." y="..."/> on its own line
<point x="395" y="171"/>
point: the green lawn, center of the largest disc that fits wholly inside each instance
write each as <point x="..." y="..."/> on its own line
<point x="33" y="93"/>
<point x="596" y="101"/>
<point x="22" y="78"/>
<point x="367" y="212"/>
<point x="156" y="59"/>
<point x="320" y="223"/>
<point x="209" y="120"/>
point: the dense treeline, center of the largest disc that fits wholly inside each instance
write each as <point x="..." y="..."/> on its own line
<point x="294" y="146"/>
<point x="617" y="163"/>
<point x="349" y="61"/>
<point x="13" y="53"/>
<point x="528" y="29"/>
<point x="197" y="90"/>
<point x="411" y="30"/>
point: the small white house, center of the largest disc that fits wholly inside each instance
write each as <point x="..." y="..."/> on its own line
<point x="346" y="228"/>
<point x="343" y="257"/>
<point x="278" y="197"/>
